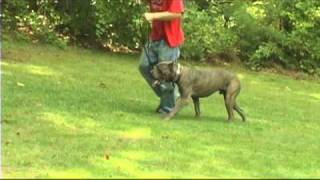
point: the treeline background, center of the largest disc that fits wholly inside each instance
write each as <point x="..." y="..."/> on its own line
<point x="256" y="33"/>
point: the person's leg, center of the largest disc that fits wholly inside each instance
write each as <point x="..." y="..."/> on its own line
<point x="147" y="60"/>
<point x="169" y="91"/>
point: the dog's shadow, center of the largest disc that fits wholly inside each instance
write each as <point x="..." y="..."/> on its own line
<point x="203" y="118"/>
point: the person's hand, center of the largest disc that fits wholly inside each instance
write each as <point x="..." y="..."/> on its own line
<point x="148" y="16"/>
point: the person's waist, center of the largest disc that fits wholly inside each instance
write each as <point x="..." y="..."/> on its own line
<point x="158" y="41"/>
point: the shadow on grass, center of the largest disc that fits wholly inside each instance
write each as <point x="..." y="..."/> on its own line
<point x="206" y="118"/>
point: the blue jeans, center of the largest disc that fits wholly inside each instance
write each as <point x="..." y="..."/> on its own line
<point x="153" y="53"/>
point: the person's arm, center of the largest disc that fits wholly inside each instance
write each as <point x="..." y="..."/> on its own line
<point x="163" y="16"/>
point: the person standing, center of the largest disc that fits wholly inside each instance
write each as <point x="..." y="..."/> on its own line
<point x="165" y="40"/>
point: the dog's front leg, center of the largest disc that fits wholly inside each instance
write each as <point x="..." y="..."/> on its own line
<point x="183" y="101"/>
<point x="196" y="104"/>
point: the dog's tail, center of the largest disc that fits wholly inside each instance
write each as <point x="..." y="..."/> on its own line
<point x="240" y="111"/>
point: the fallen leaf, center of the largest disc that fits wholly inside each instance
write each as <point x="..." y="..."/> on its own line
<point x="106" y="156"/>
<point x="165" y="137"/>
<point x="288" y="89"/>
<point x="20" y="84"/>
<point x="102" y="85"/>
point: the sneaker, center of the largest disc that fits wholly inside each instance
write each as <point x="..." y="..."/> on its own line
<point x="162" y="110"/>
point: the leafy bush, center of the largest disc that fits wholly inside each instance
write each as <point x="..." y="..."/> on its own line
<point x="120" y="27"/>
<point x="206" y="35"/>
<point x="293" y="42"/>
<point x="39" y="26"/>
<point x="261" y="32"/>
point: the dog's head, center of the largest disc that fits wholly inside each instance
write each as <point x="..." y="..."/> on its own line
<point x="165" y="71"/>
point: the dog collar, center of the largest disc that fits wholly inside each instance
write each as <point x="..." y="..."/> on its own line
<point x="178" y="73"/>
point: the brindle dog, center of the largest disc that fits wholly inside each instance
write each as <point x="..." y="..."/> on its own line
<point x="199" y="83"/>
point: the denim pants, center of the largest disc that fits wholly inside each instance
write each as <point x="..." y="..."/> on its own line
<point x="153" y="53"/>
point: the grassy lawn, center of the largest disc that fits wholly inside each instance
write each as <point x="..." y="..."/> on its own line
<point x="86" y="114"/>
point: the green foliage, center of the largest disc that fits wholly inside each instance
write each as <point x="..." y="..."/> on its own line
<point x="205" y="34"/>
<point x="119" y="23"/>
<point x="42" y="28"/>
<point x="264" y="54"/>
<point x="10" y="9"/>
<point x="261" y="32"/>
<point x="39" y="24"/>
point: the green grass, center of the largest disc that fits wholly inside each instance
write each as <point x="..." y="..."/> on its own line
<point x="87" y="114"/>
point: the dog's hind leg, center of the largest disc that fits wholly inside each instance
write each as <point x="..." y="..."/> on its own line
<point x="227" y="102"/>
<point x="234" y="103"/>
<point x="230" y="98"/>
<point x="196" y="104"/>
<point x="240" y="112"/>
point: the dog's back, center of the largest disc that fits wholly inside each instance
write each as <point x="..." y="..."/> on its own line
<point x="204" y="82"/>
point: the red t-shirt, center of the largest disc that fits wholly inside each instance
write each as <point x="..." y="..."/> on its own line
<point x="171" y="30"/>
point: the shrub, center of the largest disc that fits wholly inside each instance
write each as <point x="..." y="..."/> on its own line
<point x="206" y="35"/>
